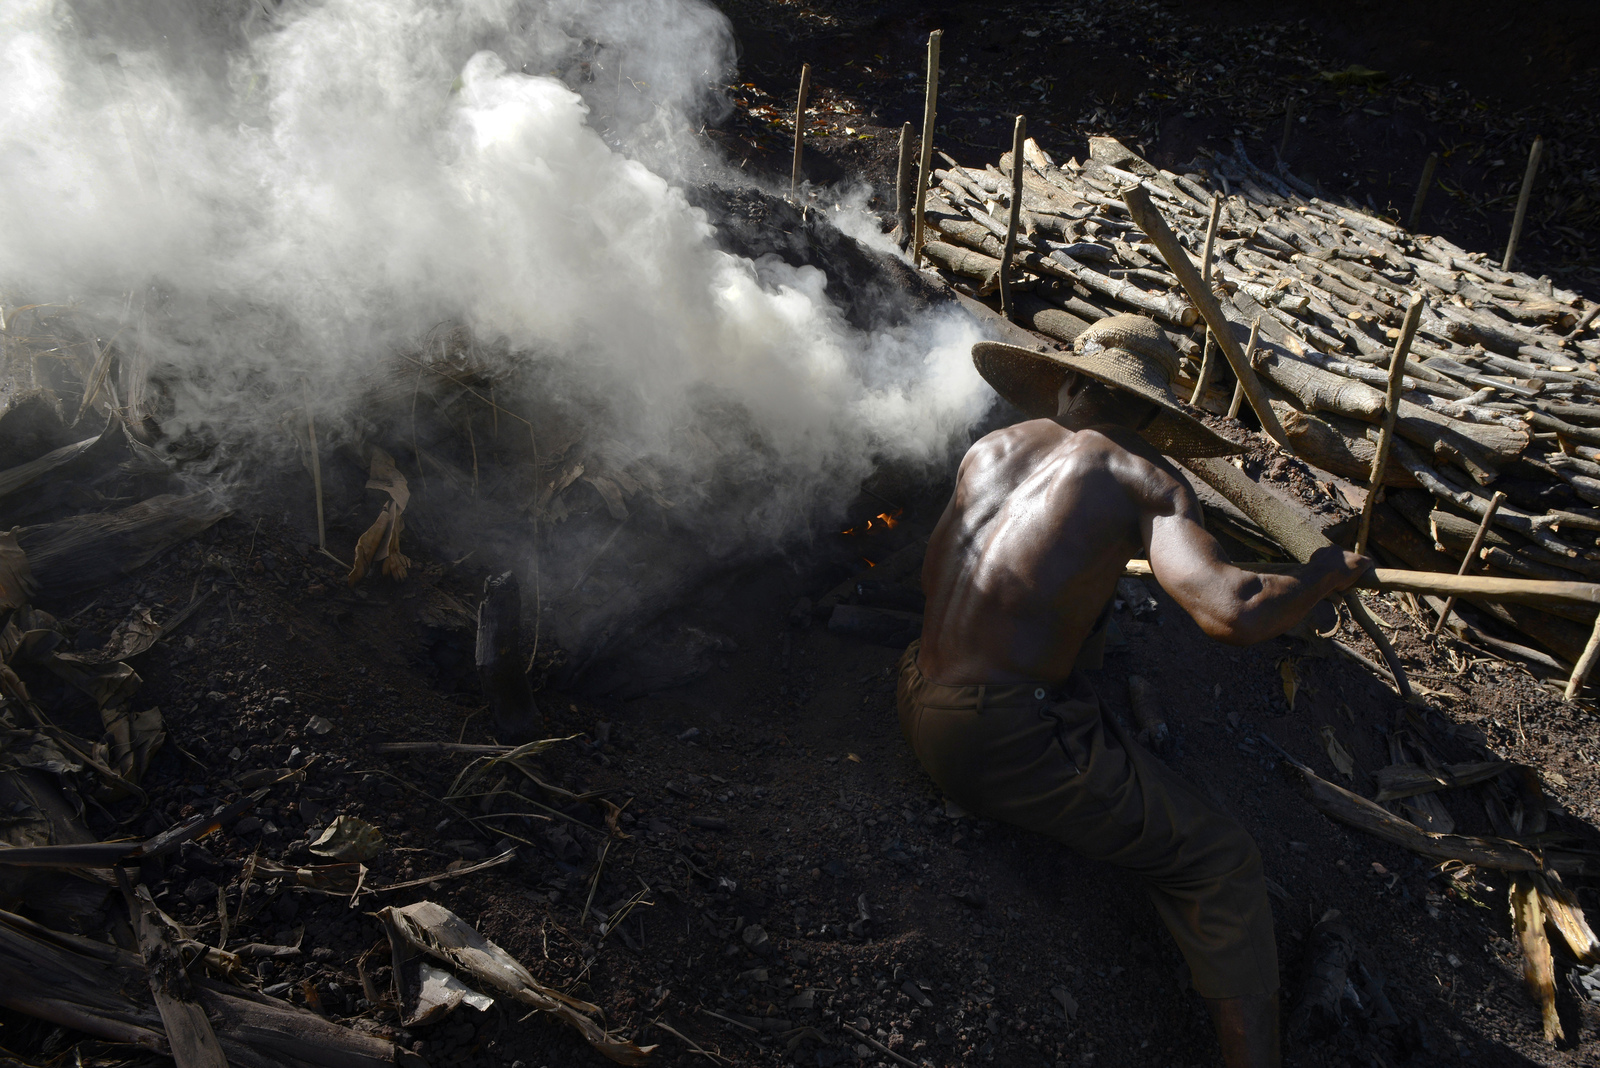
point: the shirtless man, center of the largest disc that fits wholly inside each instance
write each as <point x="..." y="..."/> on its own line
<point x="1019" y="576"/>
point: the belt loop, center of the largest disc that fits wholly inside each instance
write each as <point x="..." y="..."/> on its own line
<point x="983" y="690"/>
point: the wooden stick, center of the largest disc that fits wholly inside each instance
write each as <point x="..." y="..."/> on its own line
<point x="1155" y="227"/>
<point x="1238" y="385"/>
<point x="923" y="171"/>
<point x="1208" y="367"/>
<point x="1522" y="201"/>
<point x="1391" y="413"/>
<point x="800" y="124"/>
<point x="1591" y="651"/>
<point x="1439" y="584"/>
<point x="1471" y="559"/>
<point x="1211" y="237"/>
<point x="1423" y="186"/>
<point x="904" y="175"/>
<point x="1018" y="135"/>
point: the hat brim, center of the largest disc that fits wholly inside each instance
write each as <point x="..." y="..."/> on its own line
<point x="1031" y="380"/>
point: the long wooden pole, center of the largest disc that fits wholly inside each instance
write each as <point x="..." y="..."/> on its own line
<point x="1149" y="220"/>
<point x="800" y="124"/>
<point x="1522" y="200"/>
<point x="1423" y="186"/>
<point x="926" y="162"/>
<point x="1018" y="134"/>
<point x="1391" y="413"/>
<point x="1470" y="561"/>
<point x="1441" y="584"/>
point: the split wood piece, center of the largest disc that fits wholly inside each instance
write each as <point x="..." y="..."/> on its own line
<point x="1356" y="811"/>
<point x="1286" y="525"/>
<point x="800" y="125"/>
<point x="85" y="551"/>
<point x="1423" y="186"/>
<point x="1469" y="561"/>
<point x="1411" y="780"/>
<point x="1018" y="134"/>
<point x="905" y="177"/>
<point x="1149" y="219"/>
<point x="1391" y="413"/>
<point x="1534" y="528"/>
<point x="965" y="262"/>
<point x="1522" y="201"/>
<point x="1338" y="446"/>
<point x="1527" y="918"/>
<point x="498" y="656"/>
<point x="1168" y="307"/>
<point x="1561" y="909"/>
<point x="926" y="162"/>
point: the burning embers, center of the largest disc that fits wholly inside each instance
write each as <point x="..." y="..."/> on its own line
<point x="880" y="522"/>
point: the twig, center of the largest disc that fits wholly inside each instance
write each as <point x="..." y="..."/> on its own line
<point x="926" y="163"/>
<point x="1208" y="367"/>
<point x="1018" y="135"/>
<point x="1211" y="237"/>
<point x="880" y="1047"/>
<point x="800" y="124"/>
<point x="1522" y="201"/>
<point x="594" y="883"/>
<point x="1391" y="414"/>
<point x="1423" y="186"/>
<point x="1468" y="561"/>
<point x="691" y="1043"/>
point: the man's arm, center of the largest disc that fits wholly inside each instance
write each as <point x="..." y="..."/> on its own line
<point x="1231" y="605"/>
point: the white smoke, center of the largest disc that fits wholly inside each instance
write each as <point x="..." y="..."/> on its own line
<point x="312" y="185"/>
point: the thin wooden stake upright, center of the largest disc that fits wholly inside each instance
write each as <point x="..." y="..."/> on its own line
<point x="1391" y="412"/>
<point x="1580" y="671"/>
<point x="1423" y="186"/>
<point x="926" y="163"/>
<point x="1211" y="237"/>
<point x="1470" y="561"/>
<point x="1018" y="135"/>
<point x="1522" y="200"/>
<point x="1249" y="351"/>
<point x="1208" y="367"/>
<point x="800" y="124"/>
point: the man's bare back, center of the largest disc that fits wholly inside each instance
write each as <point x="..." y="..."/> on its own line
<point x="1041" y="524"/>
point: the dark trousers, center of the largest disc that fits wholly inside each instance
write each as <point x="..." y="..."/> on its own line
<point x="1055" y="763"/>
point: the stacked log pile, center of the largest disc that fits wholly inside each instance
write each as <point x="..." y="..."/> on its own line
<point x="1500" y="386"/>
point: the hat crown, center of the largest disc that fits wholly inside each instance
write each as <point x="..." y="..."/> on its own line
<point x="1136" y="336"/>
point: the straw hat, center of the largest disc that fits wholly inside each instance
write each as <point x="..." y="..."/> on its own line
<point x="1126" y="352"/>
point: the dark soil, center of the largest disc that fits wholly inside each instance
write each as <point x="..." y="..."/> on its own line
<point x="776" y="792"/>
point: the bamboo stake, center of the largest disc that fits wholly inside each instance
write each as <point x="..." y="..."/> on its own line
<point x="1580" y="672"/>
<point x="1522" y="201"/>
<point x="1391" y="413"/>
<point x="1211" y="238"/>
<point x="1208" y="367"/>
<point x="1440" y="584"/>
<point x="800" y="124"/>
<point x="904" y="175"/>
<point x="1249" y="351"/>
<point x="1018" y="135"/>
<point x="924" y="170"/>
<point x="1144" y="213"/>
<point x="1471" y="559"/>
<point x="1422" y="191"/>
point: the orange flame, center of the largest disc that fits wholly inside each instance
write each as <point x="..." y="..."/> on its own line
<point x="882" y="520"/>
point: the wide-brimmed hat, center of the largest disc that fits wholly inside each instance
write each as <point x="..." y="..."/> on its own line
<point x="1126" y="352"/>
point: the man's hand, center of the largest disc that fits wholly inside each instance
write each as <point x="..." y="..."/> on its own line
<point x="1343" y="569"/>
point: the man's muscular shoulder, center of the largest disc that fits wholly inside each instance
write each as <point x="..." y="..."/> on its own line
<point x="1117" y="451"/>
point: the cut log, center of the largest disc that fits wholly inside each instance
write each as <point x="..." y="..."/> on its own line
<point x="1338" y="446"/>
<point x="1047" y="319"/>
<point x="965" y="262"/>
<point x="498" y="657"/>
